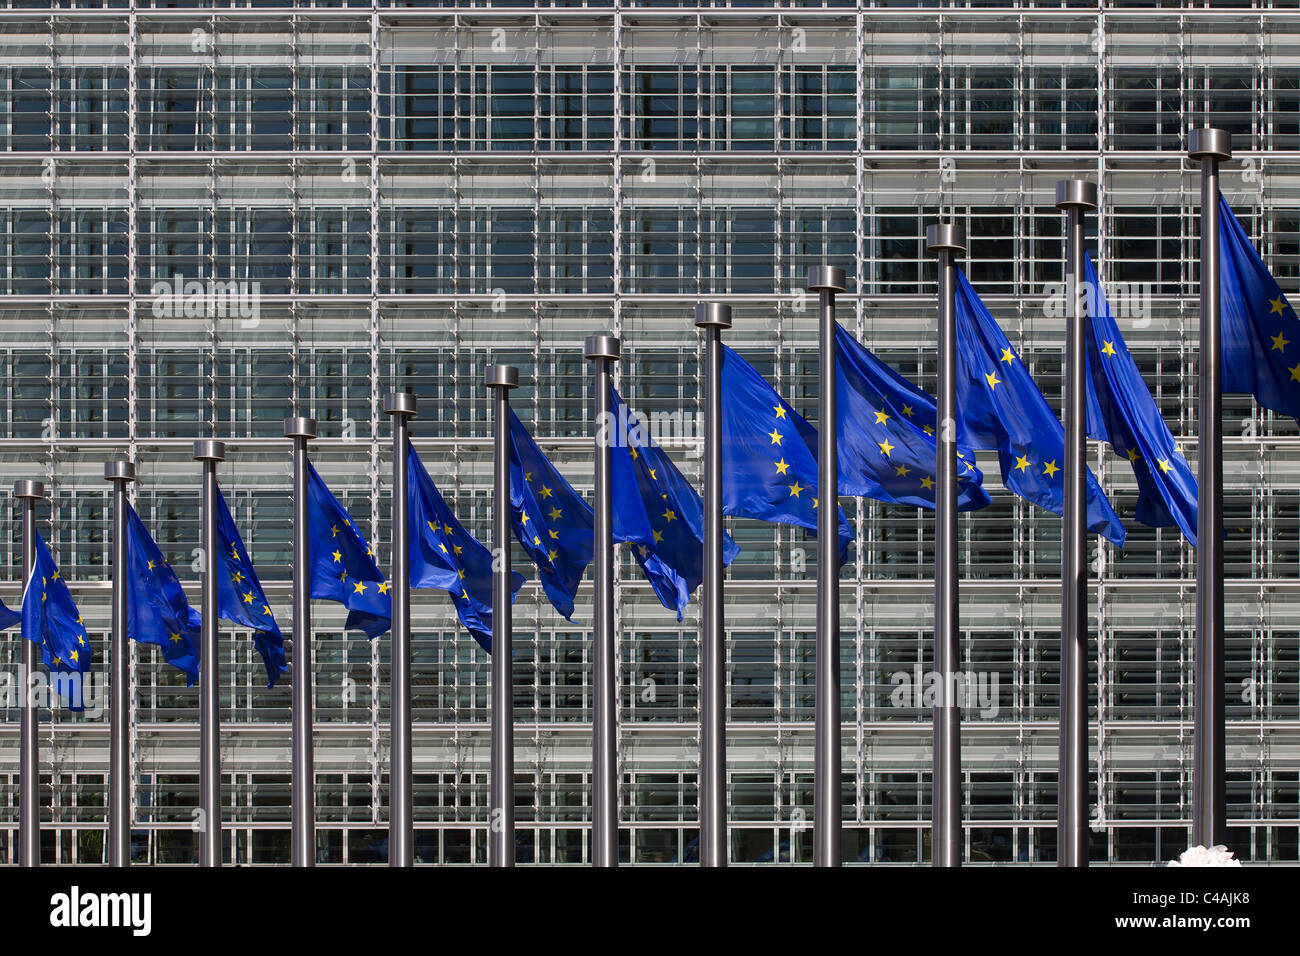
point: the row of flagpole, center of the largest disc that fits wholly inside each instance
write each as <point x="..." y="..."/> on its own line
<point x="946" y="241"/>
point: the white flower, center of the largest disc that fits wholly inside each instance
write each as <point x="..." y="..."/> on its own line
<point x="1200" y="856"/>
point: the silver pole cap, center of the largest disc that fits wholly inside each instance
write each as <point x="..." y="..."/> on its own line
<point x="945" y="235"/>
<point x="26" y="488"/>
<point x="501" y="376"/>
<point x="400" y="403"/>
<point x="208" y="449"/>
<point x="119" y="471"/>
<point x="1209" y="143"/>
<point x="298" y="426"/>
<point x="713" y="315"/>
<point x="603" y="346"/>
<point x="826" y="279"/>
<point x="1080" y="193"/>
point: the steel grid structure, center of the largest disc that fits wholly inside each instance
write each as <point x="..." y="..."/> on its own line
<point x="417" y="190"/>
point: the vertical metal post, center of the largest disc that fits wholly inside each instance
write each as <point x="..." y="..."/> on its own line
<point x="1209" y="794"/>
<point x="826" y="281"/>
<point x="303" y="798"/>
<point x="713" y="317"/>
<point x="209" y="452"/>
<point x="603" y="351"/>
<point x="945" y="802"/>
<point x="1074" y="196"/>
<point x="500" y="379"/>
<point x="120" y="473"/>
<point x="29" y="812"/>
<point x="401" y="815"/>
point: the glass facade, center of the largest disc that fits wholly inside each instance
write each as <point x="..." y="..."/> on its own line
<point x="401" y="191"/>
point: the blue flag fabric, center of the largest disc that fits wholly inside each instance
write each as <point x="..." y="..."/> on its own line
<point x="656" y="510"/>
<point x="51" y="620"/>
<point x="769" y="453"/>
<point x="551" y="520"/>
<point x="240" y="598"/>
<point x="887" y="448"/>
<point x="342" y="565"/>
<point x="157" y="610"/>
<point x="1121" y="411"/>
<point x="8" y="618"/>
<point x="1260" y="331"/>
<point x="444" y="555"/>
<point x="1001" y="408"/>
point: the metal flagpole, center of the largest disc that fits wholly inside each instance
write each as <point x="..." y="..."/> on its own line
<point x="1074" y="196"/>
<point x="1209" y="798"/>
<point x="120" y="473"/>
<point x="301" y="430"/>
<point x="603" y="351"/>
<point x="713" y="317"/>
<point x="29" y="813"/>
<point x="401" y="818"/>
<point x="500" y="379"/>
<point x="209" y="452"/>
<point x="946" y="833"/>
<point x="827" y="281"/>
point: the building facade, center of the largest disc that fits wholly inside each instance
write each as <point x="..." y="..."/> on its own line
<point x="389" y="196"/>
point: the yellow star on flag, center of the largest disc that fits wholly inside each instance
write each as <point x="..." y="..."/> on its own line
<point x="1109" y="349"/>
<point x="795" y="489"/>
<point x="1280" y="342"/>
<point x="993" y="379"/>
<point x="886" y="447"/>
<point x="1050" y="469"/>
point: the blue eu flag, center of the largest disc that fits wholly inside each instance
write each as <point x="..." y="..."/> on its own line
<point x="769" y="453"/>
<point x="1260" y="331"/>
<point x="1122" y="412"/>
<point x="240" y="598"/>
<point x="157" y="610"/>
<point x="8" y="618"/>
<point x="887" y="448"/>
<point x="1001" y="408"/>
<point x="342" y="565"/>
<point x="444" y="555"/>
<point x="51" y="619"/>
<point x="552" y="522"/>
<point x="657" y="510"/>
